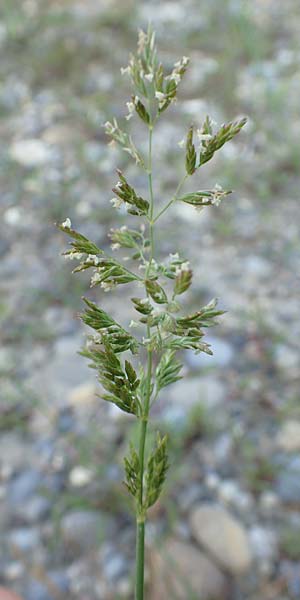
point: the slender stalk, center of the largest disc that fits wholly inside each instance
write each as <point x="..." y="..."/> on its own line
<point x="165" y="208"/>
<point x="141" y="518"/>
<point x="140" y="560"/>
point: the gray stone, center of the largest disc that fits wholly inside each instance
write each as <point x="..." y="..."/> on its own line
<point x="35" y="509"/>
<point x="291" y="573"/>
<point x="287" y="358"/>
<point x="114" y="566"/>
<point x="229" y="492"/>
<point x="288" y="438"/>
<point x="24" y="486"/>
<point x="204" y="390"/>
<point x="84" y="529"/>
<point x="222" y="355"/>
<point x="288" y="482"/>
<point x="223" y="536"/>
<point x="31" y="153"/>
<point x="24" y="539"/>
<point x="179" y="569"/>
<point x="64" y="371"/>
<point x="263" y="542"/>
<point x="56" y="583"/>
<point x="14" y="452"/>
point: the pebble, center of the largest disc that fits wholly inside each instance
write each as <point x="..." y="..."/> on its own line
<point x="24" y="539"/>
<point x="268" y="502"/>
<point x="286" y="358"/>
<point x="229" y="492"/>
<point x="33" y="510"/>
<point x="287" y="485"/>
<point x="83" y="529"/>
<point x="263" y="542"/>
<point x="31" y="153"/>
<point x="80" y="476"/>
<point x="223" y="536"/>
<point x="208" y="391"/>
<point x="56" y="586"/>
<point x="23" y="486"/>
<point x="179" y="569"/>
<point x="291" y="573"/>
<point x="83" y="395"/>
<point x="288" y="438"/>
<point x="114" y="565"/>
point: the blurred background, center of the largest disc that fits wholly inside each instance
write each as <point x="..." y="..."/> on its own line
<point x="228" y="525"/>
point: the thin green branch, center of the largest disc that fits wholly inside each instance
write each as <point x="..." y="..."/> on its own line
<point x="173" y="199"/>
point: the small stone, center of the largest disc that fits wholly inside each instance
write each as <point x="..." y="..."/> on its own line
<point x="212" y="481"/>
<point x="287" y="358"/>
<point x="291" y="573"/>
<point x="33" y="510"/>
<point x="268" y="502"/>
<point x="80" y="476"/>
<point x="263" y="543"/>
<point x="288" y="438"/>
<point x="14" y="453"/>
<point x="223" y="448"/>
<point x="288" y="482"/>
<point x="24" y="539"/>
<point x="115" y="566"/>
<point x="13" y="216"/>
<point x="223" y="536"/>
<point x="24" y="486"/>
<point x="83" y="529"/>
<point x="190" y="496"/>
<point x="229" y="492"/>
<point x="30" y="153"/>
<point x="180" y="569"/>
<point x="13" y="570"/>
<point x="209" y="392"/>
<point x="83" y="395"/>
<point x="56" y="586"/>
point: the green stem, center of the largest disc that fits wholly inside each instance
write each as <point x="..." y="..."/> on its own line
<point x="141" y="516"/>
<point x="165" y="208"/>
<point x="140" y="559"/>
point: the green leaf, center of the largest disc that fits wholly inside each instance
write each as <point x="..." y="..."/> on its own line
<point x="156" y="292"/>
<point x="190" y="157"/>
<point x="168" y="369"/>
<point x="156" y="471"/>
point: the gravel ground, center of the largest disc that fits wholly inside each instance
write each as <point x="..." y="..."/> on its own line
<point x="229" y="522"/>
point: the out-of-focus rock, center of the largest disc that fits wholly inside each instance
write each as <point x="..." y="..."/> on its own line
<point x="223" y="536"/>
<point x="288" y="438"/>
<point x="180" y="569"/>
<point x="30" y="153"/>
